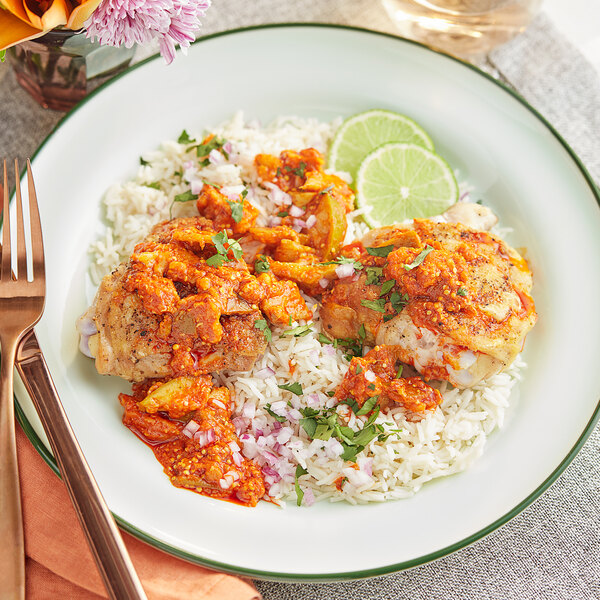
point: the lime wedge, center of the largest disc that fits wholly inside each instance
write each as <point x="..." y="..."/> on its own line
<point x="404" y="181"/>
<point x="362" y="133"/>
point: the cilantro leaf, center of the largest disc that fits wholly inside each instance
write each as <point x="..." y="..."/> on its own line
<point x="373" y="275"/>
<point x="399" y="373"/>
<point x="461" y="291"/>
<point x="154" y="185"/>
<point x="282" y="213"/>
<point x="419" y="258"/>
<point x="327" y="189"/>
<point x="184" y="138"/>
<point x="377" y="305"/>
<point x="324" y="339"/>
<point x="264" y="327"/>
<point x="380" y="250"/>
<point x="398" y="302"/>
<point x="216" y="260"/>
<point x="261" y="265"/>
<point x="143" y="162"/>
<point x="362" y="334"/>
<point x="300" y="470"/>
<point x="344" y="260"/>
<point x="295" y="388"/>
<point x="300" y="170"/>
<point x="368" y="405"/>
<point x="299" y="331"/>
<point x="185" y="197"/>
<point x="386" y="287"/>
<point x="237" y="210"/>
<point x="2" y="55"/>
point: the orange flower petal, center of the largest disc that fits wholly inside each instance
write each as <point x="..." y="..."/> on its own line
<point x="16" y="8"/>
<point x="82" y="13"/>
<point x="57" y="14"/>
<point x="13" y="30"/>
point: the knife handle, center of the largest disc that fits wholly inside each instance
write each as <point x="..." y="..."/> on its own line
<point x="101" y="531"/>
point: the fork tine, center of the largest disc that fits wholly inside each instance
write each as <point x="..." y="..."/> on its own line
<point x="21" y="251"/>
<point x="37" y="242"/>
<point x="6" y="275"/>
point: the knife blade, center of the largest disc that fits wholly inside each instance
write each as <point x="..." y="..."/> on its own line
<point x="103" y="536"/>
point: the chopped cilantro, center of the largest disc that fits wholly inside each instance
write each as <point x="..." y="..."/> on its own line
<point x="274" y="415"/>
<point x="461" y="291"/>
<point x="300" y="470"/>
<point x="216" y="260"/>
<point x="371" y="386"/>
<point x="264" y="327"/>
<point x="282" y="213"/>
<point x="399" y="373"/>
<point x="203" y="150"/>
<point x="352" y="347"/>
<point x="387" y="318"/>
<point x="299" y="331"/>
<point x="330" y="393"/>
<point x="324" y="339"/>
<point x="237" y="210"/>
<point x="343" y="260"/>
<point x="327" y="189"/>
<point x="398" y="301"/>
<point x="261" y="265"/>
<point x="352" y="403"/>
<point x="378" y="305"/>
<point x="368" y="405"/>
<point x="2" y="55"/>
<point x="358" y="370"/>
<point x="419" y="258"/>
<point x="300" y="170"/>
<point x="381" y="250"/>
<point x="143" y="162"/>
<point x="387" y="286"/>
<point x="295" y="388"/>
<point x="184" y="138"/>
<point x="154" y="185"/>
<point x="362" y="334"/>
<point x="373" y="275"/>
<point x="219" y="240"/>
<point x="185" y="197"/>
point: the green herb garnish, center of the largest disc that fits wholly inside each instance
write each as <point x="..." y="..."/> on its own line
<point x="261" y="265"/>
<point x="154" y="185"/>
<point x="378" y="305"/>
<point x="237" y="210"/>
<point x="399" y="373"/>
<point x="386" y="287"/>
<point x="300" y="470"/>
<point x="373" y="275"/>
<point x="282" y="213"/>
<point x="184" y="138"/>
<point x="264" y="327"/>
<point x="143" y="162"/>
<point x="368" y="405"/>
<point x="381" y="250"/>
<point x="295" y="388"/>
<point x="419" y="258"/>
<point x="327" y="189"/>
<point x="299" y="331"/>
<point x="398" y="301"/>
<point x="324" y="339"/>
<point x="185" y="197"/>
<point x="461" y="291"/>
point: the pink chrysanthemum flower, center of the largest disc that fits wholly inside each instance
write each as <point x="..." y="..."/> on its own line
<point x="128" y="22"/>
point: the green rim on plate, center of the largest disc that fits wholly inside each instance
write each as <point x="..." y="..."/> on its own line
<point x="47" y="456"/>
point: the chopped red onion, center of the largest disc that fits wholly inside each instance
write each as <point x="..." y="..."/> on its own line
<point x="204" y="437"/>
<point x="232" y="475"/>
<point x="190" y="429"/>
<point x="312" y="399"/>
<point x="228" y="147"/>
<point x="369" y="375"/>
<point x="315" y="357"/>
<point x="311" y="221"/>
<point x="264" y="373"/>
<point x="259" y="433"/>
<point x="295" y="211"/>
<point x="188" y="164"/>
<point x="274" y="221"/>
<point x="197" y="185"/>
<point x="324" y="282"/>
<point x="271" y="473"/>
<point x="237" y="459"/>
<point x="345" y="270"/>
<point x="329" y="349"/>
<point x="284" y="435"/>
<point x="216" y="158"/>
<point x="366" y="464"/>
<point x="270" y="457"/>
<point x="220" y="404"/>
<point x="309" y="497"/>
<point x="225" y="483"/>
<point x="248" y="410"/>
<point x="294" y="415"/>
<point x="300" y="223"/>
<point x="277" y="195"/>
<point x="232" y="192"/>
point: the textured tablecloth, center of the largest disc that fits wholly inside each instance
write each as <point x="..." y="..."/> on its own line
<point x="551" y="550"/>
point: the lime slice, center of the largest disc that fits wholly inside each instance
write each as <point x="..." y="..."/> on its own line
<point x="404" y="181"/>
<point x="362" y="133"/>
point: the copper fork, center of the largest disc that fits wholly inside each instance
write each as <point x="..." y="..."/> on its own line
<point x="21" y="306"/>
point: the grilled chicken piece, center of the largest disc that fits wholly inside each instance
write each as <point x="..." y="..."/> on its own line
<point x="457" y="304"/>
<point x="167" y="312"/>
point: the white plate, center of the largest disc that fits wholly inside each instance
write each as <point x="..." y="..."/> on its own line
<point x="519" y="166"/>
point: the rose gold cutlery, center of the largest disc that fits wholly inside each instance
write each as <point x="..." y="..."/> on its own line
<point x="21" y="306"/>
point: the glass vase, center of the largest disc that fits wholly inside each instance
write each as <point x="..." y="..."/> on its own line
<point x="62" y="67"/>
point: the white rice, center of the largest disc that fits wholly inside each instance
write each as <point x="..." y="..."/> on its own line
<point x="437" y="443"/>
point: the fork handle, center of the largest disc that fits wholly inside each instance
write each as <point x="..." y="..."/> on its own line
<point x="12" y="550"/>
<point x="104" y="539"/>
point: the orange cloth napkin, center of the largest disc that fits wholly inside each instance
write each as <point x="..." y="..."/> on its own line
<point x="60" y="565"/>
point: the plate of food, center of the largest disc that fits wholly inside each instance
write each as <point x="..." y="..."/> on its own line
<point x="311" y="301"/>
